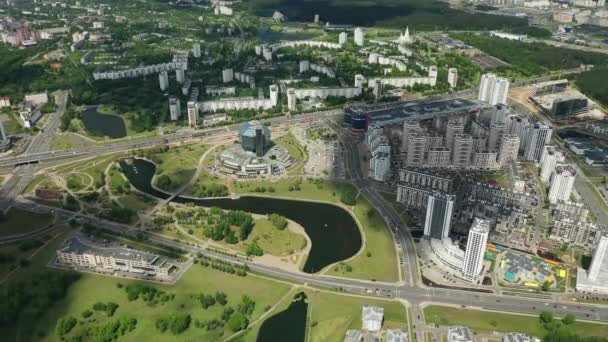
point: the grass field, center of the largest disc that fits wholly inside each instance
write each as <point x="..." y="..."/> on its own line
<point x="296" y="150"/>
<point x="179" y="164"/>
<point x="332" y="314"/>
<point x="274" y="241"/>
<point x="485" y="322"/>
<point x="19" y="221"/>
<point x="137" y="201"/>
<point x="501" y="179"/>
<point x="91" y="288"/>
<point x="378" y="260"/>
<point x="311" y="189"/>
<point x="66" y="141"/>
<point x="117" y="180"/>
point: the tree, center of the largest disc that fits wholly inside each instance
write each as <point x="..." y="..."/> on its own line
<point x="221" y="298"/>
<point x="179" y="322"/>
<point x="546" y="286"/>
<point x="568" y="319"/>
<point x="280" y="222"/>
<point x="237" y="322"/>
<point x="65" y="325"/>
<point x="546" y="317"/>
<point x="348" y="197"/>
<point x="254" y="249"/>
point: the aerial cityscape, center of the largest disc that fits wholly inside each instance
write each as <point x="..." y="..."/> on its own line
<point x="304" y="170"/>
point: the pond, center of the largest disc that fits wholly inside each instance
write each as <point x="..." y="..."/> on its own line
<point x="287" y="325"/>
<point x="103" y="124"/>
<point x="333" y="232"/>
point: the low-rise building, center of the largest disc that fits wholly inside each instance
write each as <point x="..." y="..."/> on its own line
<point x="459" y="333"/>
<point x="78" y="251"/>
<point x="372" y="317"/>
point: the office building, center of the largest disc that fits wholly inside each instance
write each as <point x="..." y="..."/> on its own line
<point x="476" y="249"/>
<point x="255" y="137"/>
<point x="537" y="136"/>
<point x="562" y="182"/>
<point x="192" y="113"/>
<point x="493" y="90"/>
<point x="174" y="108"/>
<point x="163" y="80"/>
<point x="439" y="212"/>
<point x="359" y="36"/>
<point x="596" y="279"/>
<point x="342" y="38"/>
<point x="463" y="148"/>
<point x="453" y="77"/>
<point x="227" y="75"/>
<point x="549" y="160"/>
<point x="291" y="99"/>
<point x="509" y="147"/>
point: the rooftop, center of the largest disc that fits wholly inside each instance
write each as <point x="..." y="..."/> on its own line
<point x="80" y="246"/>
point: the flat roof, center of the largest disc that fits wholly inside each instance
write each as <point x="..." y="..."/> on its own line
<point x="394" y="112"/>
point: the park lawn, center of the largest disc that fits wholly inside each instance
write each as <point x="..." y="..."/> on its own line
<point x="67" y="141"/>
<point x="34" y="183"/>
<point x="77" y="181"/>
<point x="19" y="221"/>
<point x="378" y="260"/>
<point x="137" y="201"/>
<point x="117" y="180"/>
<point x="296" y="150"/>
<point x="486" y="322"/>
<point x="179" y="164"/>
<point x="92" y="288"/>
<point x="275" y="241"/>
<point x="310" y="189"/>
<point x="399" y="208"/>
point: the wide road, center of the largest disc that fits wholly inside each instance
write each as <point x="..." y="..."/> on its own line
<point x="41" y="154"/>
<point x="412" y="294"/>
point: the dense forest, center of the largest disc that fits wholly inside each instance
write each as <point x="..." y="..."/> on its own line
<point x="532" y="58"/>
<point x="591" y="83"/>
<point x="420" y="14"/>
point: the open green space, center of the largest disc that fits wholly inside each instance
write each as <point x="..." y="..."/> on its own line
<point x="378" y="259"/>
<point x="296" y="188"/>
<point x="18" y="221"/>
<point x="275" y="241"/>
<point x="137" y="201"/>
<point x="175" y="166"/>
<point x="182" y="298"/>
<point x="67" y="141"/>
<point x="486" y="322"/>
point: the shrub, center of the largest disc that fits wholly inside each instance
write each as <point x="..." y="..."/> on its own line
<point x="65" y="325"/>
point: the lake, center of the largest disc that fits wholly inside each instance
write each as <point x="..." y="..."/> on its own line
<point x="287" y="325"/>
<point x="103" y="124"/>
<point x="333" y="232"/>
